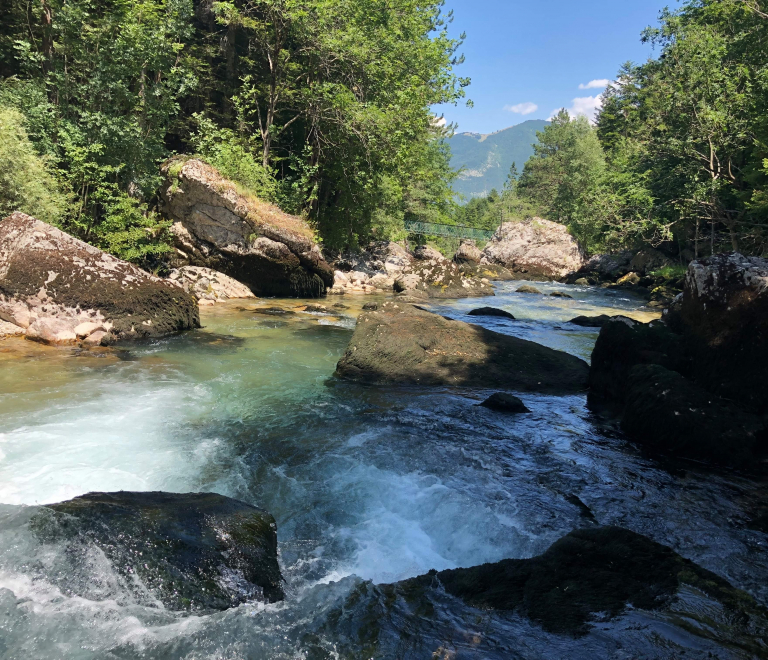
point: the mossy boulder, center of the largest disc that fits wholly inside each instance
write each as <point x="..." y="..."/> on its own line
<point x="440" y="278"/>
<point x="401" y="343"/>
<point x="195" y="551"/>
<point x="589" y="574"/>
<point x="221" y="226"/>
<point x="60" y="289"/>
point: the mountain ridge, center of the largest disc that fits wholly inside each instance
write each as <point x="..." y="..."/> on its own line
<point x="487" y="157"/>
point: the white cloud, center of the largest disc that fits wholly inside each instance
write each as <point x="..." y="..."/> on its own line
<point x="522" y="108"/>
<point x="602" y="83"/>
<point x="439" y="121"/>
<point x="584" y="105"/>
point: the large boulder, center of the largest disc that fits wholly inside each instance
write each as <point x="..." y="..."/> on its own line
<point x="724" y="318"/>
<point x="401" y="343"/>
<point x="588" y="575"/>
<point x="624" y="343"/>
<point x="537" y="248"/>
<point x="194" y="551"/>
<point x="669" y="414"/>
<point x="436" y="277"/>
<point x="60" y="289"/>
<point x="218" y="226"/>
<point x="373" y="270"/>
<point x="209" y="286"/>
<point x="468" y="253"/>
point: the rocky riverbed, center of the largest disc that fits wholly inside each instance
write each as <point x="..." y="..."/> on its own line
<point x="369" y="486"/>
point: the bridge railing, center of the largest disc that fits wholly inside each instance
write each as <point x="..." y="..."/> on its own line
<point x="452" y="231"/>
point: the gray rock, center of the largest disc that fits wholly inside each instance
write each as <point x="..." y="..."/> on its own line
<point x="535" y="247"/>
<point x="527" y="288"/>
<point x="468" y="253"/>
<point x="55" y="286"/>
<point x="255" y="243"/>
<point x="491" y="311"/>
<point x="402" y="344"/>
<point x="505" y="402"/>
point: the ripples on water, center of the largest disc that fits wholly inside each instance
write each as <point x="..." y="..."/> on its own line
<point x="368" y="485"/>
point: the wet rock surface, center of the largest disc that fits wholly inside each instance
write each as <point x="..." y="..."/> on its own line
<point x="669" y="414"/>
<point x="491" y="311"/>
<point x="536" y="248"/>
<point x="591" y="321"/>
<point x="217" y="227"/>
<point x="403" y="344"/>
<point x="587" y="576"/>
<point x="505" y="402"/>
<point x="195" y="551"/>
<point x="61" y="290"/>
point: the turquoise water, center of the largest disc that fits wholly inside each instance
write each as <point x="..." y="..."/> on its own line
<point x="368" y="485"/>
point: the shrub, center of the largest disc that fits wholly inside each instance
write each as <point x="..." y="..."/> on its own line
<point x="26" y="182"/>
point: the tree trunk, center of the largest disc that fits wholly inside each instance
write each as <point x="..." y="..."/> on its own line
<point x="231" y="71"/>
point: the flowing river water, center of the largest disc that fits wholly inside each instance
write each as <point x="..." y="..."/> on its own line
<point x="368" y="485"/>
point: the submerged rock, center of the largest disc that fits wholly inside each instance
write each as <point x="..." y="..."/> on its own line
<point x="218" y="227"/>
<point x="491" y="311"/>
<point x="560" y="294"/>
<point x="403" y="344"/>
<point x="194" y="551"/>
<point x="590" y="574"/>
<point x="535" y="247"/>
<point x="505" y="402"/>
<point x="209" y="285"/>
<point x="667" y="413"/>
<point x="527" y="288"/>
<point x="61" y="290"/>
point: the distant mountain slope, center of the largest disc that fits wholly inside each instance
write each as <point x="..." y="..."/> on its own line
<point x="487" y="158"/>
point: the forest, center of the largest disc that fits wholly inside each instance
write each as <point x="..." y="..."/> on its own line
<point x="323" y="107"/>
<point x="679" y="152"/>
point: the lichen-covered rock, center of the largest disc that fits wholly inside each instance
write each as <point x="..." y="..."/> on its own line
<point x="427" y="252"/>
<point x="723" y="316"/>
<point x="468" y="253"/>
<point x="492" y="272"/>
<point x="10" y="330"/>
<point x="538" y="248"/>
<point x="527" y="288"/>
<point x="400" y="343"/>
<point x="589" y="573"/>
<point x="665" y="412"/>
<point x="373" y="270"/>
<point x="57" y="288"/>
<point x="209" y="285"/>
<point x="194" y="551"/>
<point x="218" y="227"/>
<point x="440" y="278"/>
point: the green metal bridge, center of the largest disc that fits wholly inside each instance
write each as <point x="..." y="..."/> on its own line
<point x="452" y="231"/>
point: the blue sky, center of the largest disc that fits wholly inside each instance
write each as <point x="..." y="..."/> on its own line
<point x="529" y="58"/>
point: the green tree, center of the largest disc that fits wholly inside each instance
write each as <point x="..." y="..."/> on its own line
<point x="564" y="177"/>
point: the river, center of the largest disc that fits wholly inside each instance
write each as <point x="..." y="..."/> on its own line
<point x="368" y="485"/>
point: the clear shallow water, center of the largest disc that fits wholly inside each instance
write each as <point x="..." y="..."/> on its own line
<point x="368" y="485"/>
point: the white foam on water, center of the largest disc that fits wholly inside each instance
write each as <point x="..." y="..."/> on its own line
<point x="124" y="437"/>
